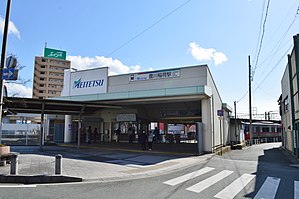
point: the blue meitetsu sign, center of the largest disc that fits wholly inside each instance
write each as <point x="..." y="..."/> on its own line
<point x="88" y="84"/>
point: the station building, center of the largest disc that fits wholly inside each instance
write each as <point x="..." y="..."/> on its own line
<point x="182" y="103"/>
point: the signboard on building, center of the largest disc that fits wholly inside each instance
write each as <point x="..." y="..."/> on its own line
<point x="56" y="54"/>
<point x="126" y="118"/>
<point x="92" y="81"/>
<point x="162" y="74"/>
<point x="220" y="112"/>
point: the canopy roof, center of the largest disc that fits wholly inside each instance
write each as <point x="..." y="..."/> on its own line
<point x="50" y="106"/>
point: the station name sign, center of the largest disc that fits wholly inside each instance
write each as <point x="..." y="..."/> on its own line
<point x="162" y="74"/>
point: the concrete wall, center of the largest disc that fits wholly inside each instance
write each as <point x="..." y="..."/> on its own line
<point x="286" y="117"/>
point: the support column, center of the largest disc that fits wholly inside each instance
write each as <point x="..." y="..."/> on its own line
<point x="207" y="134"/>
<point x="68" y="129"/>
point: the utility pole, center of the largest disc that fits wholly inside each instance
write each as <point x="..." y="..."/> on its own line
<point x="250" y="114"/>
<point x="3" y="56"/>
<point x="235" y="106"/>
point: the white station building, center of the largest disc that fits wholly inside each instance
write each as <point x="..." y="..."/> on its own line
<point x="183" y="103"/>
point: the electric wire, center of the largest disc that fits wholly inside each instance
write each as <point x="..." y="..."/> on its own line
<point x="278" y="62"/>
<point x="262" y="38"/>
<point x="277" y="47"/>
<point x="279" y="43"/>
<point x="278" y="28"/>
<point x="260" y="29"/>
<point x="149" y="27"/>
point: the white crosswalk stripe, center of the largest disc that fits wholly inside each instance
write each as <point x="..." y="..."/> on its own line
<point x="188" y="176"/>
<point x="268" y="189"/>
<point x="199" y="187"/>
<point x="234" y="188"/>
<point x="296" y="190"/>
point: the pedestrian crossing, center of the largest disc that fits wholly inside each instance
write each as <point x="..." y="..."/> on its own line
<point x="267" y="190"/>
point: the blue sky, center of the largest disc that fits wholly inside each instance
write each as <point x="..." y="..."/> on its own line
<point x="131" y="35"/>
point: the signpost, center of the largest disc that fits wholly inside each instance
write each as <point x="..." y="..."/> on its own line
<point x="10" y="74"/>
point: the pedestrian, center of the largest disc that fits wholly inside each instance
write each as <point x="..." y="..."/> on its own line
<point x="150" y="140"/>
<point x="95" y="132"/>
<point x="157" y="135"/>
<point x="143" y="138"/>
<point x="88" y="135"/>
<point x="131" y="132"/>
<point x="117" y="133"/>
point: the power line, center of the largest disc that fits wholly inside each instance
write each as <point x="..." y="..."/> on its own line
<point x="149" y="27"/>
<point x="272" y="69"/>
<point x="260" y="29"/>
<point x="262" y="38"/>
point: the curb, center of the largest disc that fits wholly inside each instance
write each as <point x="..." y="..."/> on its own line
<point x="38" y="179"/>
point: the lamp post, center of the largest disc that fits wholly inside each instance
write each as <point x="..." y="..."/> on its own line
<point x="3" y="56"/>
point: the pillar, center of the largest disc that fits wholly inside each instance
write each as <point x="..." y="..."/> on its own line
<point x="68" y="129"/>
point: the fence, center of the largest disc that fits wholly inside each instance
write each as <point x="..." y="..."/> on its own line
<point x="20" y="134"/>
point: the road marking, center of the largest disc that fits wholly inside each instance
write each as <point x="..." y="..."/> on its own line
<point x="16" y="186"/>
<point x="235" y="187"/>
<point x="188" y="176"/>
<point x="199" y="187"/>
<point x="268" y="189"/>
<point x="296" y="190"/>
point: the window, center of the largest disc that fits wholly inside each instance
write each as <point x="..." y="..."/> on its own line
<point x="43" y="66"/>
<point x="265" y="129"/>
<point x="42" y="79"/>
<point x="42" y="73"/>
<point x="41" y="91"/>
<point x="286" y="105"/>
<point x="44" y="60"/>
<point x="257" y="129"/>
<point x="41" y="85"/>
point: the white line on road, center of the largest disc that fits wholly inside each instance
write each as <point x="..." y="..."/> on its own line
<point x="268" y="189"/>
<point x="234" y="188"/>
<point x="16" y="186"/>
<point x="188" y="176"/>
<point x="296" y="190"/>
<point x="199" y="187"/>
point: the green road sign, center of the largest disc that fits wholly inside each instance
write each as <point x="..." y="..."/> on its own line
<point x="53" y="53"/>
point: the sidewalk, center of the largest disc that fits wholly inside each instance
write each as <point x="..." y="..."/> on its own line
<point x="101" y="161"/>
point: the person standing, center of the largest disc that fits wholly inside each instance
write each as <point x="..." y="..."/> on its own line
<point x="131" y="132"/>
<point x="143" y="138"/>
<point x="150" y="140"/>
<point x="157" y="134"/>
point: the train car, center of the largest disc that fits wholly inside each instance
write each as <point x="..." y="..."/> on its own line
<point x="264" y="131"/>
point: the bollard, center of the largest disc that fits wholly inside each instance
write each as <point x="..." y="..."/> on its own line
<point x="14" y="161"/>
<point x="58" y="164"/>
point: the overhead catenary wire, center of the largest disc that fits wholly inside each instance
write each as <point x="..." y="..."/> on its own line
<point x="149" y="27"/>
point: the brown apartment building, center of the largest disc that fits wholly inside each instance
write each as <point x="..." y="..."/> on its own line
<point x="48" y="76"/>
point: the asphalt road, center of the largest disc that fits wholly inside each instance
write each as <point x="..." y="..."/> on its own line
<point x="261" y="171"/>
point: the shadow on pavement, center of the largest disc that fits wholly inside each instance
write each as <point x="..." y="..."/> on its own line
<point x="114" y="153"/>
<point x="274" y="167"/>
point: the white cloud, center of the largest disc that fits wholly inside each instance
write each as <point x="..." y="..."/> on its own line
<point x="115" y="66"/>
<point x="206" y="54"/>
<point x="12" y="29"/>
<point x="18" y="90"/>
